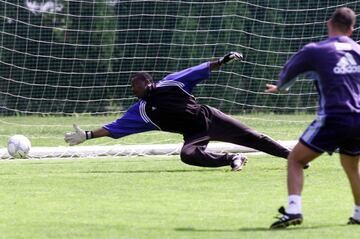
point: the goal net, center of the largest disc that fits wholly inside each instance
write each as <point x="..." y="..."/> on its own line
<point x="70" y="61"/>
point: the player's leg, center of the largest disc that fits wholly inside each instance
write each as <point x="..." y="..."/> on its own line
<point x="349" y="149"/>
<point x="298" y="158"/>
<point x="227" y="129"/>
<point x="350" y="165"/>
<point x="322" y="135"/>
<point x="194" y="153"/>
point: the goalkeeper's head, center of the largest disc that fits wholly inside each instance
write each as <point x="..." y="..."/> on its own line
<point x="341" y="22"/>
<point x="139" y="82"/>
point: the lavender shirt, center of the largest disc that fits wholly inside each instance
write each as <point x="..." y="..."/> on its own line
<point x="336" y="64"/>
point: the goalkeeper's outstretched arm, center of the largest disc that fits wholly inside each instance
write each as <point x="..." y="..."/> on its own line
<point x="192" y="76"/>
<point x="79" y="135"/>
<point x="132" y="122"/>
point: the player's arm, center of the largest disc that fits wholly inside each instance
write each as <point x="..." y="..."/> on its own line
<point x="130" y="123"/>
<point x="297" y="64"/>
<point x="192" y="76"/>
<point x="79" y="135"/>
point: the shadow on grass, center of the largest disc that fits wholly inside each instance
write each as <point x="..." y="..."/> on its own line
<point x="153" y="171"/>
<point x="259" y="229"/>
<point x="191" y="229"/>
<point x="112" y="160"/>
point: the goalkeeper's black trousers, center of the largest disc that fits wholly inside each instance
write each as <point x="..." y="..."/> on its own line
<point x="224" y="128"/>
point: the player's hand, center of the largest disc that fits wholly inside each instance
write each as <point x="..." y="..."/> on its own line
<point x="231" y="57"/>
<point x="77" y="137"/>
<point x="271" y="88"/>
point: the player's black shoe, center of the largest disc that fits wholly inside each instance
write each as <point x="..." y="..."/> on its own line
<point x="286" y="219"/>
<point x="307" y="165"/>
<point x="238" y="162"/>
<point x="353" y="221"/>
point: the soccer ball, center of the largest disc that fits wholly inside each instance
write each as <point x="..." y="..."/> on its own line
<point x="18" y="146"/>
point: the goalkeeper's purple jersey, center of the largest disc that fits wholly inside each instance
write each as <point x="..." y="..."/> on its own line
<point x="336" y="64"/>
<point x="137" y="118"/>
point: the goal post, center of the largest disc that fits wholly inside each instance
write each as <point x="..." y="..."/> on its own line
<point x="64" y="61"/>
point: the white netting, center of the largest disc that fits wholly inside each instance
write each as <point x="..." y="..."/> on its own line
<point x="62" y="58"/>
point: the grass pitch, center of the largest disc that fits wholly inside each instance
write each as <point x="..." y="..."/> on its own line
<point x="49" y="131"/>
<point x="160" y="197"/>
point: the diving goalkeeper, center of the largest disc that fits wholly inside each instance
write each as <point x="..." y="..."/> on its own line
<point x="168" y="105"/>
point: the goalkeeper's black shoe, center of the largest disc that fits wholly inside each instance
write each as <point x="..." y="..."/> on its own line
<point x="239" y="161"/>
<point x="286" y="219"/>
<point x="353" y="221"/>
<point x="307" y="165"/>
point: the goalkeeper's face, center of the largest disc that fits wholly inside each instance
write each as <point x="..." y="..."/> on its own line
<point x="139" y="87"/>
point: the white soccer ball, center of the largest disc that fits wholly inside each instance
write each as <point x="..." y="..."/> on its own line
<point x="18" y="146"/>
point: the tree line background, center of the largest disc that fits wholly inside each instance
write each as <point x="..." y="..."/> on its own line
<point x="78" y="56"/>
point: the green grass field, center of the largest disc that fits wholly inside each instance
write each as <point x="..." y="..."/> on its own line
<point x="160" y="197"/>
<point x="49" y="131"/>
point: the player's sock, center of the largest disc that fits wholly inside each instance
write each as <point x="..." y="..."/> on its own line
<point x="356" y="213"/>
<point x="294" y="204"/>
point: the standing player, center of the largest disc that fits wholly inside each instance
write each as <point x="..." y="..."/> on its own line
<point x="169" y="106"/>
<point x="336" y="62"/>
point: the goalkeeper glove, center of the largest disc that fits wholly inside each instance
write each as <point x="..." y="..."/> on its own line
<point x="77" y="137"/>
<point x="230" y="57"/>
